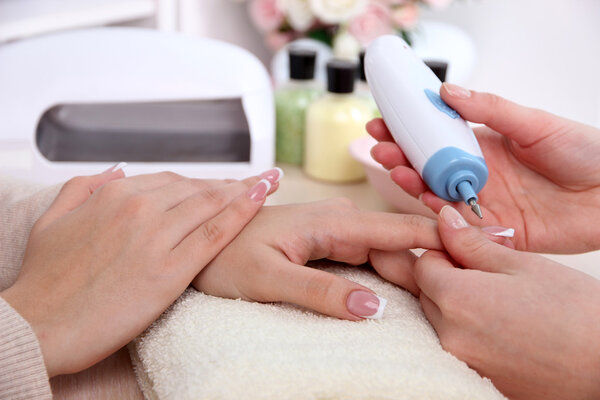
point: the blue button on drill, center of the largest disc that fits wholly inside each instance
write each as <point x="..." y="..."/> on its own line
<point x="440" y="104"/>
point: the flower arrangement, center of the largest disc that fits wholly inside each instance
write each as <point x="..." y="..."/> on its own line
<point x="345" y="25"/>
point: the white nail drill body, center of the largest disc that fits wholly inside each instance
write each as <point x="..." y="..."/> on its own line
<point x="439" y="144"/>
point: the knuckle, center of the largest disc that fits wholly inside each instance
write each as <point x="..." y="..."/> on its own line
<point x="241" y="210"/>
<point x="213" y="195"/>
<point x="211" y="232"/>
<point x="478" y="249"/>
<point x="137" y="206"/>
<point x="113" y="189"/>
<point x="169" y="175"/>
<point x="494" y="102"/>
<point x="414" y="221"/>
<point x="344" y="202"/>
<point x="197" y="183"/>
<point x="317" y="288"/>
<point x="77" y="182"/>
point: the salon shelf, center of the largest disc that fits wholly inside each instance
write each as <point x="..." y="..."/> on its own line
<point x="24" y="18"/>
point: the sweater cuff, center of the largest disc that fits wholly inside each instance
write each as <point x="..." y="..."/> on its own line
<point x="23" y="374"/>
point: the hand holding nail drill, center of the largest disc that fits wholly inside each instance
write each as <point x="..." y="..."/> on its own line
<point x="529" y="324"/>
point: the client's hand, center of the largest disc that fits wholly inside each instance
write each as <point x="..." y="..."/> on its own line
<point x="529" y="324"/>
<point x="266" y="262"/>
<point x="106" y="260"/>
<point x="544" y="172"/>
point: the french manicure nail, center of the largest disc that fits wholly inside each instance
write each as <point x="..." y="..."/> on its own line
<point x="116" y="167"/>
<point x="453" y="218"/>
<point x="365" y="304"/>
<point x="273" y="175"/>
<point x="457" y="91"/>
<point x="500" y="231"/>
<point x="259" y="191"/>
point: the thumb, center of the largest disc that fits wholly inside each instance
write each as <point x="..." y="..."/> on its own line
<point x="76" y="191"/>
<point x="524" y="125"/>
<point x="470" y="247"/>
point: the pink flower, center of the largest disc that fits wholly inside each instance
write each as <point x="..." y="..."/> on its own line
<point x="373" y="22"/>
<point x="266" y="14"/>
<point x="437" y="4"/>
<point x="276" y="40"/>
<point x="405" y="17"/>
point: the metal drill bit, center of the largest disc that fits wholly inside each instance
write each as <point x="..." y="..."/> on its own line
<point x="475" y="207"/>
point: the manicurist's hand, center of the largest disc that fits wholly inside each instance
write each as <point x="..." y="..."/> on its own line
<point x="529" y="324"/>
<point x="544" y="170"/>
<point x="266" y="262"/>
<point x="107" y="259"/>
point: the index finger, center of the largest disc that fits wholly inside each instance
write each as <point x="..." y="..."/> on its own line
<point x="391" y="232"/>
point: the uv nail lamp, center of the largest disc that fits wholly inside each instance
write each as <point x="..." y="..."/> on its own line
<point x="78" y="102"/>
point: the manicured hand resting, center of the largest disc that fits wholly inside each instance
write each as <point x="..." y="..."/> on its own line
<point x="266" y="262"/>
<point x="529" y="324"/>
<point x="544" y="172"/>
<point x="111" y="254"/>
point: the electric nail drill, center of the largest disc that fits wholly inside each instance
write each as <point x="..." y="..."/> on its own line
<point x="439" y="144"/>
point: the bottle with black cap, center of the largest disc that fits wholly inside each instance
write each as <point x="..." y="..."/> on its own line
<point x="332" y="123"/>
<point x="291" y="101"/>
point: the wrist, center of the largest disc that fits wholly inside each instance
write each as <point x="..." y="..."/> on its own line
<point x="29" y="309"/>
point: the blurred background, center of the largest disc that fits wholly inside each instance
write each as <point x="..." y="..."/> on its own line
<point x="543" y="53"/>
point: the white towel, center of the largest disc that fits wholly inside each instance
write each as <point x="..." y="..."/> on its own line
<point x="210" y="348"/>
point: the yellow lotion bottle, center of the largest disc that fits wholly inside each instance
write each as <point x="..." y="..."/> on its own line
<point x="332" y="122"/>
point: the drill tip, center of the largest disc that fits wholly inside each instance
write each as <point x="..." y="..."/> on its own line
<point x="475" y="207"/>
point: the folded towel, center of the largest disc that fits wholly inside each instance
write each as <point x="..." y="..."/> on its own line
<point x="205" y="347"/>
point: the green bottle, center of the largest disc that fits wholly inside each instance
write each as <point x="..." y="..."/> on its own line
<point x="291" y="101"/>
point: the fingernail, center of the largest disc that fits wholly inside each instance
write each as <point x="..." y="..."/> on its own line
<point x="365" y="304"/>
<point x="259" y="191"/>
<point x="499" y="231"/>
<point x="421" y="197"/>
<point x="273" y="175"/>
<point x="457" y="91"/>
<point x="453" y="218"/>
<point x="116" y="167"/>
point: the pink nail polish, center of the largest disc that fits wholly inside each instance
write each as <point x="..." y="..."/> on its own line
<point x="365" y="304"/>
<point x="500" y="231"/>
<point x="457" y="91"/>
<point x="273" y="175"/>
<point x="259" y="191"/>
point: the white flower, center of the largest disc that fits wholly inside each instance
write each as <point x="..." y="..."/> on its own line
<point x="298" y="14"/>
<point x="346" y="46"/>
<point x="336" y="11"/>
<point x="438" y="4"/>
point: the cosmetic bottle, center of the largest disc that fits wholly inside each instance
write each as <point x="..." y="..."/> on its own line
<point x="291" y="100"/>
<point x="332" y="122"/>
<point x="439" y="68"/>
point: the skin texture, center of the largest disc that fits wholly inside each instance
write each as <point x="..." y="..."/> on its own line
<point x="129" y="247"/>
<point x="266" y="262"/>
<point x="544" y="170"/>
<point x="528" y="323"/>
